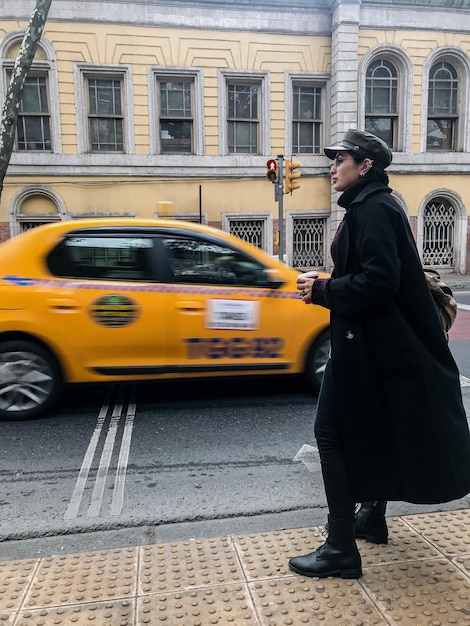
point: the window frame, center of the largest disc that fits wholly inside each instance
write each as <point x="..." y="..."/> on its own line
<point x="458" y="59"/>
<point x="84" y="71"/>
<point x="266" y="218"/>
<point x="311" y="79"/>
<point x="195" y="75"/>
<point x="249" y="77"/>
<point x="46" y="67"/>
<point x="404" y="66"/>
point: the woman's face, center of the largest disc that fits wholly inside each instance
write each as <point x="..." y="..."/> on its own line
<point x="345" y="171"/>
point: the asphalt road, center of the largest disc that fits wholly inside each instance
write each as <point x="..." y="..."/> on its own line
<point x="133" y="464"/>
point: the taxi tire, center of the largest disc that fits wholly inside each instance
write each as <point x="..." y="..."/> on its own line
<point x="46" y="391"/>
<point x="316" y="360"/>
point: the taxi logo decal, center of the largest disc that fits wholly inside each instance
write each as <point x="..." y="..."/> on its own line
<point x="114" y="310"/>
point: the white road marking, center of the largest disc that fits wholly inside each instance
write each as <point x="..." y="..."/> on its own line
<point x="464" y="381"/>
<point x="463" y="307"/>
<point x="75" y="500"/>
<point x="118" y="493"/>
<point x="105" y="461"/>
<point x="104" y="467"/>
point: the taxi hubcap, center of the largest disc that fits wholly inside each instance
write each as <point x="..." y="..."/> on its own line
<point x="25" y="381"/>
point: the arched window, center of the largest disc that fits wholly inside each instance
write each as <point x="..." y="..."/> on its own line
<point x="442" y="107"/>
<point x="38" y="124"/>
<point x="439" y="218"/>
<point x="381" y="108"/>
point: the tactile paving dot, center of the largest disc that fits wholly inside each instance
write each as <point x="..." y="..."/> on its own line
<point x="88" y="577"/>
<point x="6" y="619"/>
<point x="447" y="530"/>
<point x="405" y="544"/>
<point x="117" y="613"/>
<point x="300" y="600"/>
<point x="222" y="605"/>
<point x="194" y="563"/>
<point x="267" y="554"/>
<point x="14" y="579"/>
<point x="433" y="593"/>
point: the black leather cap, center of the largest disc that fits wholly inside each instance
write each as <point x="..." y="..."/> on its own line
<point x="364" y="144"/>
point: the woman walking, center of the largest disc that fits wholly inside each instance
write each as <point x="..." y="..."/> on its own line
<point x="390" y="423"/>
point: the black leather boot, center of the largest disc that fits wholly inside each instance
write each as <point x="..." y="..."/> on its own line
<point x="338" y="556"/>
<point x="370" y="522"/>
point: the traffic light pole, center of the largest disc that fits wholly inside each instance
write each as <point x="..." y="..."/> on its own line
<point x="279" y="196"/>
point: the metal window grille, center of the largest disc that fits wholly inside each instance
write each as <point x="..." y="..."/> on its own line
<point x="309" y="242"/>
<point x="252" y="231"/>
<point x="24" y="225"/>
<point x="438" y="236"/>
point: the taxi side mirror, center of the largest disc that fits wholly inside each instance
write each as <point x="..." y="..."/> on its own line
<point x="270" y="279"/>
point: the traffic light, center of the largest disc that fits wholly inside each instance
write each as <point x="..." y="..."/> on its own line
<point x="272" y="171"/>
<point x="292" y="176"/>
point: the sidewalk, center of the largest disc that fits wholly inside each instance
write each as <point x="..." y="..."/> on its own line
<point x="421" y="578"/>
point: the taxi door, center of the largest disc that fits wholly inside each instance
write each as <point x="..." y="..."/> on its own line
<point x="105" y="307"/>
<point x="223" y="316"/>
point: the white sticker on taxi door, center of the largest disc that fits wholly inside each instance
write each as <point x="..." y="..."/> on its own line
<point x="233" y="314"/>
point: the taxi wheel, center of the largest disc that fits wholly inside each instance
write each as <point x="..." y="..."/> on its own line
<point x="316" y="361"/>
<point x="30" y="380"/>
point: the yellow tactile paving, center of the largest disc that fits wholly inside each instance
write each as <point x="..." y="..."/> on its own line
<point x="15" y="576"/>
<point x="88" y="577"/>
<point x="225" y="605"/>
<point x="296" y="601"/>
<point x="421" y="578"/>
<point x="118" y="613"/>
<point x="267" y="554"/>
<point x="186" y="564"/>
<point x="433" y="592"/>
<point x="448" y="531"/>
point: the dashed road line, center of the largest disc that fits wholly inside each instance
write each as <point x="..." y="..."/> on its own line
<point x="464" y="381"/>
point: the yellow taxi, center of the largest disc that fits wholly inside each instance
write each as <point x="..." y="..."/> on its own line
<point x="128" y="299"/>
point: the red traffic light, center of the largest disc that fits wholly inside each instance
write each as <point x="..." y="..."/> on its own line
<point x="271" y="170"/>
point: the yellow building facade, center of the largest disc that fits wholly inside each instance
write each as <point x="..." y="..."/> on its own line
<point x="139" y="109"/>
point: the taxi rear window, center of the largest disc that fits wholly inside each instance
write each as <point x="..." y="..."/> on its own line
<point x="102" y="258"/>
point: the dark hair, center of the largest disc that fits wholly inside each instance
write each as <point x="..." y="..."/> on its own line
<point x="376" y="172"/>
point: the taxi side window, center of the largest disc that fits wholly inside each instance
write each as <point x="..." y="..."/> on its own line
<point x="201" y="261"/>
<point x="102" y="258"/>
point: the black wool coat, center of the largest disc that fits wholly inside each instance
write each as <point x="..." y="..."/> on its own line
<point x="397" y="384"/>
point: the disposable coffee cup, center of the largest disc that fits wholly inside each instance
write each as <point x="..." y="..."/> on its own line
<point x="311" y="274"/>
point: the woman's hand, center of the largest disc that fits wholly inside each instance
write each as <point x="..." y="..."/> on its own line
<point x="304" y="285"/>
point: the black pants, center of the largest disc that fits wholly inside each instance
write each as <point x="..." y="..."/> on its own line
<point x="330" y="444"/>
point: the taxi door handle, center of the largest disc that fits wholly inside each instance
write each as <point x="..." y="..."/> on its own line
<point x="190" y="305"/>
<point x="63" y="304"/>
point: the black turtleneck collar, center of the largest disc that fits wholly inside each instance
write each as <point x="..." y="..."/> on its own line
<point x="351" y="192"/>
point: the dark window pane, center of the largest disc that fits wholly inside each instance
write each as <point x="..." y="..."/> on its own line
<point x="382" y="127"/>
<point x="439" y="135"/>
<point x="176" y="136"/>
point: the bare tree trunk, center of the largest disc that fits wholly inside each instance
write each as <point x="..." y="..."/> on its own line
<point x="15" y="89"/>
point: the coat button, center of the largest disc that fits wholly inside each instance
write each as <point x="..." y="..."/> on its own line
<point x="349" y="335"/>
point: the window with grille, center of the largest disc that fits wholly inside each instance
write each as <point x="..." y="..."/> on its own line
<point x="381" y="110"/>
<point x="176" y="116"/>
<point x="306" y="119"/>
<point x="105" y="114"/>
<point x="252" y="231"/>
<point x="308" y="242"/>
<point x="33" y="130"/>
<point x="442" y="107"/>
<point x="243" y="117"/>
<point x="439" y="233"/>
